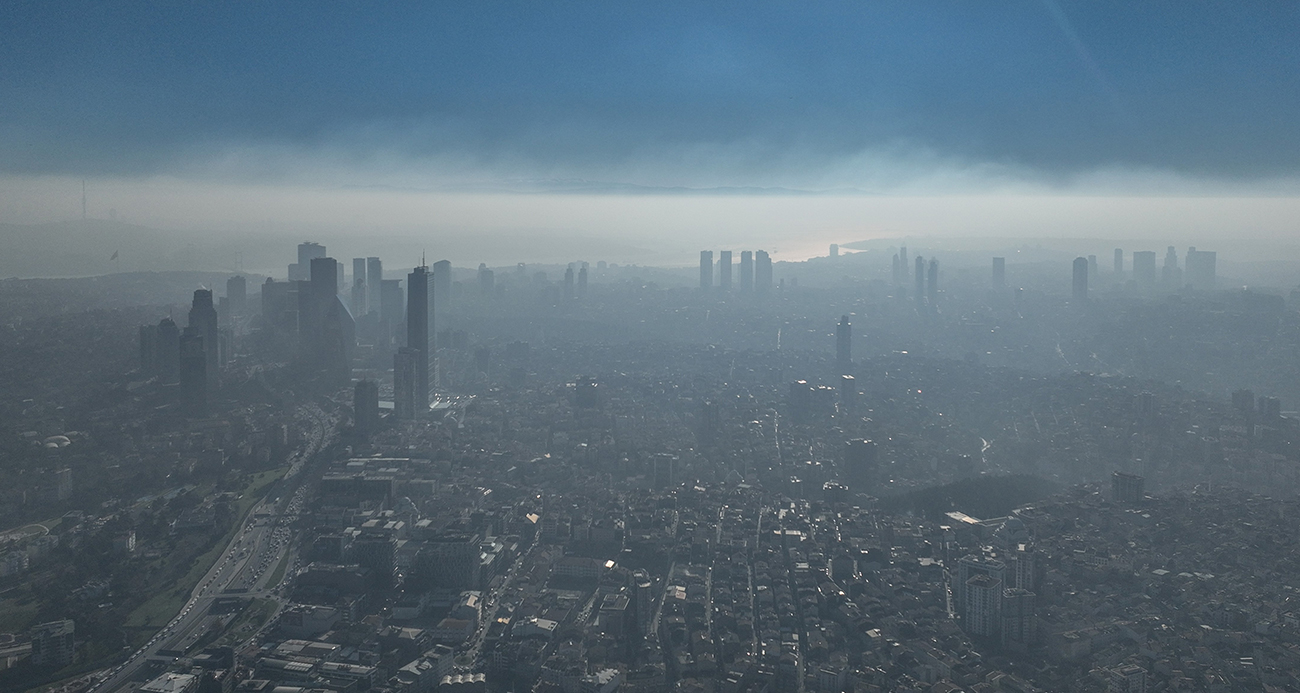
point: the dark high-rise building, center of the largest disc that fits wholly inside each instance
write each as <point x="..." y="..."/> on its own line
<point x="582" y="281"/>
<point x="706" y="270"/>
<point x="919" y="278"/>
<point x="568" y="283"/>
<point x="359" y="283"/>
<point x="327" y="332"/>
<point x="746" y="271"/>
<point x="999" y="272"/>
<point x="374" y="275"/>
<point x="1126" y="488"/>
<point x="902" y="258"/>
<point x="301" y="270"/>
<point x="1119" y="262"/>
<point x="897" y="271"/>
<point x="486" y="279"/>
<point x="932" y="281"/>
<point x="53" y="644"/>
<point x="1170" y="274"/>
<point x="203" y="319"/>
<point x="1080" y="292"/>
<point x="168" y="351"/>
<point x="392" y="303"/>
<point x="405" y="365"/>
<point x="365" y="407"/>
<point x="724" y="270"/>
<point x="326" y="329"/>
<point x="313" y="300"/>
<point x="762" y="272"/>
<point x="1019" y="625"/>
<point x="835" y="250"/>
<point x="279" y="307"/>
<point x="1201" y="268"/>
<point x="844" y="344"/>
<point x="1144" y="267"/>
<point x="441" y="284"/>
<point x="420" y="330"/>
<point x="193" y="368"/>
<point x="237" y="295"/>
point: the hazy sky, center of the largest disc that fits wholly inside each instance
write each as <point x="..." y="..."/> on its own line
<point x="404" y="115"/>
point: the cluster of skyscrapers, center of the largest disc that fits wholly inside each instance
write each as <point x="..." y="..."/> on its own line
<point x="1198" y="271"/>
<point x="925" y="277"/>
<point x="193" y="358"/>
<point x="755" y="271"/>
<point x="318" y="323"/>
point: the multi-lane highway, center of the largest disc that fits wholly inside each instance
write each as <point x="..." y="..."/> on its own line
<point x="245" y="566"/>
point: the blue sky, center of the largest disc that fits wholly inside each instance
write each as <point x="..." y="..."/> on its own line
<point x="628" y="90"/>
<point x="155" y="102"/>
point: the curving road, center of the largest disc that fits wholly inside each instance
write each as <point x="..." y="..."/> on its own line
<point x="244" y="567"/>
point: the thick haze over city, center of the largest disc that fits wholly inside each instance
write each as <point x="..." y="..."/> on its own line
<point x="650" y="120"/>
<point x="599" y="347"/>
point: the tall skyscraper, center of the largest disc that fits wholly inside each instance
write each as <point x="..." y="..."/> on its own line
<point x="1080" y="279"/>
<point x="486" y="279"/>
<point x="746" y="271"/>
<point x="1019" y="624"/>
<point x="835" y="250"/>
<point x="1170" y="274"/>
<point x="706" y="270"/>
<point x="1144" y="267"/>
<point x="406" y="362"/>
<point x="982" y="608"/>
<point x="359" y="283"/>
<point x="568" y="283"/>
<point x="441" y="284"/>
<point x="999" y="272"/>
<point x="844" y="344"/>
<point x="365" y="407"/>
<point x="897" y="270"/>
<point x="902" y="259"/>
<point x="1119" y="262"/>
<point x="762" y="272"/>
<point x="919" y="278"/>
<point x="327" y="332"/>
<point x="724" y="270"/>
<point x="582" y="281"/>
<point x="301" y="270"/>
<point x="420" y="330"/>
<point x="194" y="374"/>
<point x="203" y="319"/>
<point x="392" y="305"/>
<point x="1201" y="268"/>
<point x="374" y="275"/>
<point x="237" y="295"/>
<point x="322" y="285"/>
<point x="932" y="281"/>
